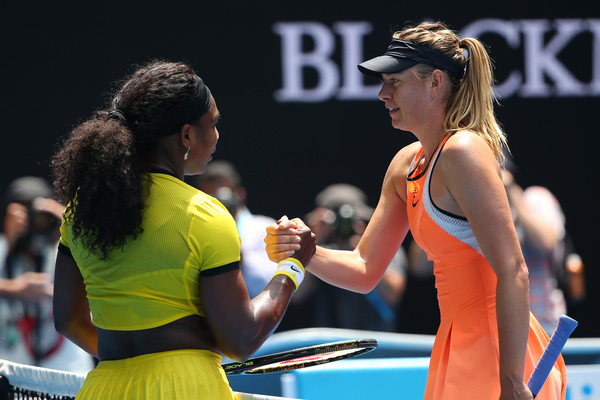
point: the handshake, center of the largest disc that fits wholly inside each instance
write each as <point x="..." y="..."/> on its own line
<point x="290" y="239"/>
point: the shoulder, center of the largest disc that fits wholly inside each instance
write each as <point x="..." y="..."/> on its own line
<point x="209" y="209"/>
<point x="468" y="168"/>
<point x="211" y="222"/>
<point x="467" y="142"/>
<point x="403" y="158"/>
<point x="465" y="150"/>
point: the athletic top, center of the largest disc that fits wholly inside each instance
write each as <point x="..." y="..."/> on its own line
<point x="465" y="356"/>
<point x="155" y="278"/>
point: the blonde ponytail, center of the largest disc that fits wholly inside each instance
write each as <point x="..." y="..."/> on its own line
<point x="471" y="107"/>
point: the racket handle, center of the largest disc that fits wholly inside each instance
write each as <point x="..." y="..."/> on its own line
<point x="565" y="327"/>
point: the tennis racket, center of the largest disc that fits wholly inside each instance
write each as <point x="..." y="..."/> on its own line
<point x="565" y="327"/>
<point x="302" y="357"/>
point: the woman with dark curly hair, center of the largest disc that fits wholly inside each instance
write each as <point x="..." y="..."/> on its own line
<point x="147" y="277"/>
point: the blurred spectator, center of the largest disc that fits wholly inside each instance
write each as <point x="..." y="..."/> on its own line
<point x="540" y="225"/>
<point x="339" y="219"/>
<point x="28" y="245"/>
<point x="223" y="181"/>
<point x="573" y="277"/>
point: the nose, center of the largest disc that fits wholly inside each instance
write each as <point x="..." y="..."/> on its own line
<point x="384" y="93"/>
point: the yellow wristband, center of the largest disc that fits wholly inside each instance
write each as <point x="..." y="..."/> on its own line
<point x="296" y="262"/>
<point x="291" y="268"/>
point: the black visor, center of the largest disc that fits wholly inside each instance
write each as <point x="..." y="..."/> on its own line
<point x="403" y="54"/>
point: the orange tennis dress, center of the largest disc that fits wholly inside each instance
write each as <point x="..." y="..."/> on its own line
<point x="465" y="356"/>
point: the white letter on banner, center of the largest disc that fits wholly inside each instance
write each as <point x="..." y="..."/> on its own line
<point x="293" y="60"/>
<point x="540" y="58"/>
<point x="594" y="27"/>
<point x="509" y="31"/>
<point x="352" y="88"/>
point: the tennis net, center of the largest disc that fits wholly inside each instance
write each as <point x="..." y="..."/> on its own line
<point x="26" y="382"/>
<point x="19" y="381"/>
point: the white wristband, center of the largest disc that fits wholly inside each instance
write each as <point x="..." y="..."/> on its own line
<point x="291" y="268"/>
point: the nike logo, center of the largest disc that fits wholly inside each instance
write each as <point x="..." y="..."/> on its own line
<point x="295" y="269"/>
<point x="414" y="203"/>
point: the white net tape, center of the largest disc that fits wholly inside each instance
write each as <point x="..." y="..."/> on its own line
<point x="42" y="380"/>
<point x="64" y="383"/>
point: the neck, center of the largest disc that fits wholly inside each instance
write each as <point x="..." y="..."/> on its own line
<point x="159" y="157"/>
<point x="432" y="129"/>
<point x="431" y="142"/>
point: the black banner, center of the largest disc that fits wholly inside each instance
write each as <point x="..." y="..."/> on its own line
<point x="297" y="114"/>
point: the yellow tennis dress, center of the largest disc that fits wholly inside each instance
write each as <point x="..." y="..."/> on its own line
<point x="152" y="281"/>
<point x="465" y="357"/>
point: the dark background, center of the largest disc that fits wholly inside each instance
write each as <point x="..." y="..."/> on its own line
<point x="60" y="60"/>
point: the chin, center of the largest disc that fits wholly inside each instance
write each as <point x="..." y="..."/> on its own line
<point x="196" y="171"/>
<point x="400" y="126"/>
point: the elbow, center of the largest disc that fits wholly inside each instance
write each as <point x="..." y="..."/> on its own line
<point x="363" y="285"/>
<point x="243" y="345"/>
<point x="370" y="280"/>
<point x="370" y="274"/>
<point x="519" y="276"/>
<point x="241" y="351"/>
<point x="61" y="324"/>
<point x="73" y="327"/>
<point x="239" y="356"/>
<point x="246" y="348"/>
<point x="523" y="275"/>
<point x="60" y="329"/>
<point x="366" y="285"/>
<point x="66" y="328"/>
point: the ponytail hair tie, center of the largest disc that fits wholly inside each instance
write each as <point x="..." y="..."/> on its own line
<point x="117" y="115"/>
<point x="465" y="49"/>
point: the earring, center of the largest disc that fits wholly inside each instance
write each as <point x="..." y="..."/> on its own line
<point x="185" y="156"/>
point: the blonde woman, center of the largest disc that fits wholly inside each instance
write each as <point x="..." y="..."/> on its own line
<point x="447" y="189"/>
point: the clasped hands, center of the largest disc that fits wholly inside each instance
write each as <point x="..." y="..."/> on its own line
<point x="290" y="238"/>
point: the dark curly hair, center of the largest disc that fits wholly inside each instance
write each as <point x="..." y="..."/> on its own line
<point x="98" y="169"/>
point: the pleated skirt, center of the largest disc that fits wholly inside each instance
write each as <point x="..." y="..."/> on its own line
<point x="179" y="374"/>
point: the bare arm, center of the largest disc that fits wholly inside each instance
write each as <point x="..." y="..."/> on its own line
<point x="361" y="269"/>
<point x="240" y="324"/>
<point x="472" y="177"/>
<point x="71" y="308"/>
